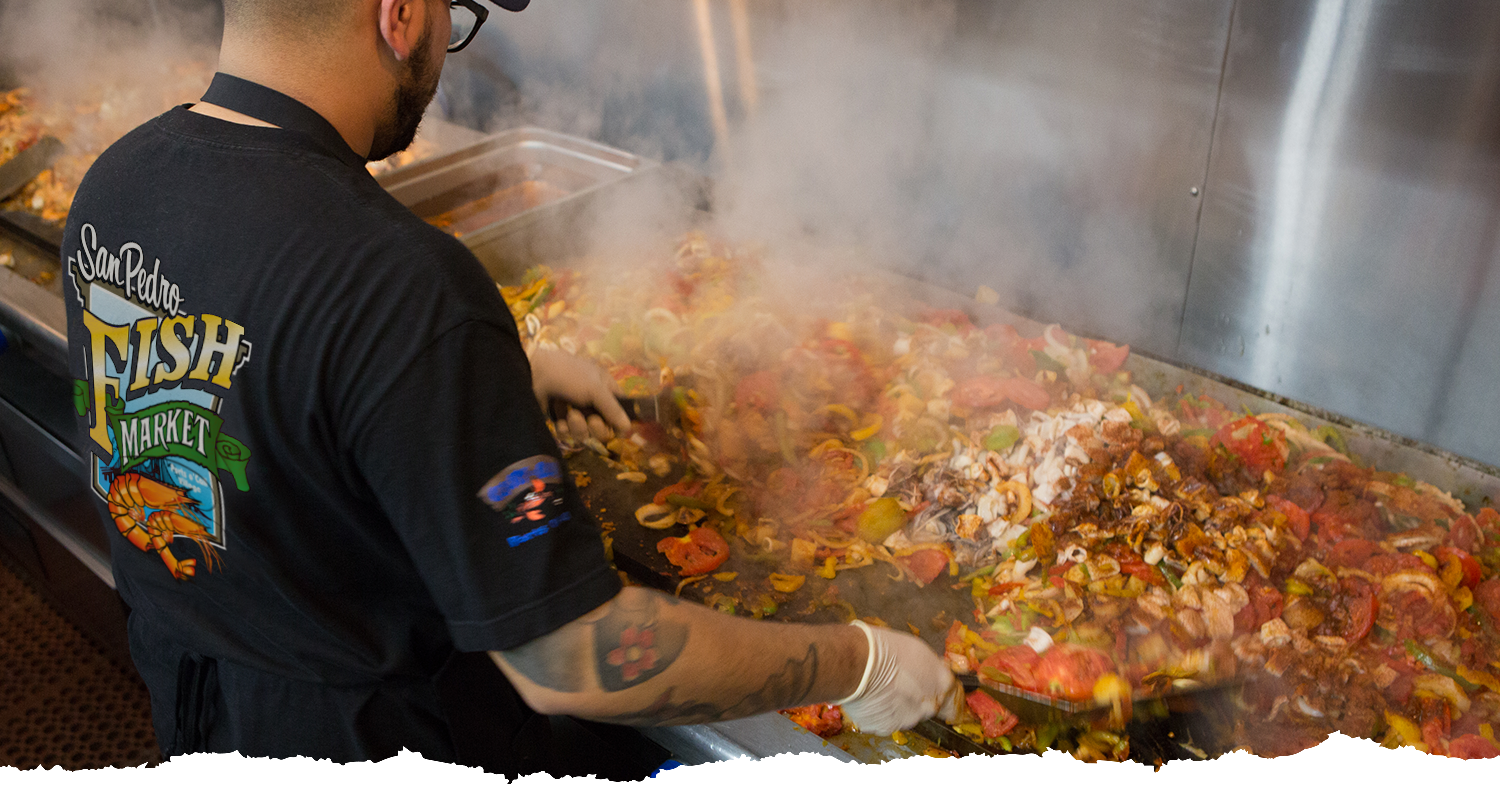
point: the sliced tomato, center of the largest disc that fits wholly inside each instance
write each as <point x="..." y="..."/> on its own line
<point x="1131" y="564"/>
<point x="1070" y="671"/>
<point x="986" y="391"/>
<point x="1265" y="604"/>
<point x="1351" y="553"/>
<point x="1415" y="615"/>
<point x="1340" y="517"/>
<point x="701" y="551"/>
<point x="758" y="390"/>
<point x="1386" y="563"/>
<point x="1202" y="411"/>
<point x="925" y="565"/>
<point x="1019" y="353"/>
<point x="1332" y="527"/>
<point x="1488" y="520"/>
<point x="1106" y="356"/>
<point x="938" y="317"/>
<point x="1297" y="519"/>
<point x="1464" y="533"/>
<point x="1027" y="394"/>
<point x="1011" y="665"/>
<point x="1436" y="724"/>
<point x="784" y="482"/>
<point x="1472" y="745"/>
<point x="842" y="365"/>
<point x="1356" y="599"/>
<point x="1473" y="573"/>
<point x="995" y="720"/>
<point x="979" y="391"/>
<point x="684" y="488"/>
<point x="1140" y="569"/>
<point x="1487" y="597"/>
<point x="1260" y="446"/>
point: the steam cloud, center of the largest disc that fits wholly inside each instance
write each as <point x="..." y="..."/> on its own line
<point x="931" y="138"/>
<point x="106" y="66"/>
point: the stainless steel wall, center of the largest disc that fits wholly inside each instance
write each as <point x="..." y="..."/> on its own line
<point x="1297" y="194"/>
<point x="1347" y="252"/>
<point x="1047" y="150"/>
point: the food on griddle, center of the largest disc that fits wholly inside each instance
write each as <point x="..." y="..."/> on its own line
<point x="474" y="214"/>
<point x="20" y="128"/>
<point x="94" y="116"/>
<point x="89" y="117"/>
<point x="700" y="552"/>
<point x="823" y="719"/>
<point x="1106" y="542"/>
<point x="995" y="720"/>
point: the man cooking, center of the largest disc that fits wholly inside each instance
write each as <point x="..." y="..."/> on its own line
<point x="312" y="423"/>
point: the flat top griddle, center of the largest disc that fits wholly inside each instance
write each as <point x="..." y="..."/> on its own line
<point x="870" y="590"/>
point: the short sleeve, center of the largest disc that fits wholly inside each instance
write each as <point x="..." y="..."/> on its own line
<point x="461" y="461"/>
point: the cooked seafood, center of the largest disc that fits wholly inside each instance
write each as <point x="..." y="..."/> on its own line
<point x="1111" y="542"/>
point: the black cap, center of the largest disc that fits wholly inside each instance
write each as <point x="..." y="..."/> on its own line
<point x="511" y="5"/>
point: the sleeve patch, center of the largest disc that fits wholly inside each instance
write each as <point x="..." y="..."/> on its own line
<point x="528" y="493"/>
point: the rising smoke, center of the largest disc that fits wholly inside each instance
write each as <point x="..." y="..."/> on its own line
<point x="1032" y="150"/>
<point x="98" y="68"/>
<point x="961" y="142"/>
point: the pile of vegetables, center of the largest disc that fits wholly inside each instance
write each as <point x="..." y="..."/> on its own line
<point x="1110" y="543"/>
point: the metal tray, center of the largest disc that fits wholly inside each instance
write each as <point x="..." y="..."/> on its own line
<point x="518" y="197"/>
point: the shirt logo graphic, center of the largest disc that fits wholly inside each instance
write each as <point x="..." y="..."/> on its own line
<point x="150" y="399"/>
<point x="528" y="492"/>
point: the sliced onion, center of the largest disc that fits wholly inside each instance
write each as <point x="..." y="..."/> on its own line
<point x="1305" y="708"/>
<point x="1038" y="640"/>
<point x="656" y="517"/>
<point x="1407" y="579"/>
<point x="1444" y="687"/>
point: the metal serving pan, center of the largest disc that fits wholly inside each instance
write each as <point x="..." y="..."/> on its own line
<point x="514" y="198"/>
<point x="517" y="197"/>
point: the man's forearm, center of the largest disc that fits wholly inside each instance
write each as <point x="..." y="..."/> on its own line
<point x="647" y="658"/>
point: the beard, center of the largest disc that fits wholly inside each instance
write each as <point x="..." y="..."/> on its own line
<point x="413" y="94"/>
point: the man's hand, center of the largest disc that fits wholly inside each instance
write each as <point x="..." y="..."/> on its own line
<point x="904" y="683"/>
<point x="580" y="383"/>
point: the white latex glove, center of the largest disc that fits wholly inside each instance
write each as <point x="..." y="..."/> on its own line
<point x="581" y="383"/>
<point x="904" y="683"/>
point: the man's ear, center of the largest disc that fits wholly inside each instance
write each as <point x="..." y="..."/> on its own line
<point x="400" y="24"/>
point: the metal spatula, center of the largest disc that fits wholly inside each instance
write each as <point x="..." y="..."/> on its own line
<point x="28" y="164"/>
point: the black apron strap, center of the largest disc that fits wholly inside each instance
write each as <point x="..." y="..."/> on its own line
<point x="269" y="105"/>
<point x="197" y="693"/>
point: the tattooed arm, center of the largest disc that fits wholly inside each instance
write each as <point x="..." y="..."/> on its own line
<point x="647" y="658"/>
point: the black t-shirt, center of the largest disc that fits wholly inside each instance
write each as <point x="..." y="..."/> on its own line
<point x="321" y="401"/>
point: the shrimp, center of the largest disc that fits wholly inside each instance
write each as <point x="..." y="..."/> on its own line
<point x="130" y="501"/>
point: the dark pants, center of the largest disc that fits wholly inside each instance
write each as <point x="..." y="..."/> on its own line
<point x="467" y="714"/>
